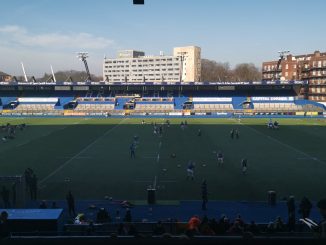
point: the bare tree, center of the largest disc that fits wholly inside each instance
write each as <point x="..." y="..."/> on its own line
<point x="213" y="71"/>
<point x="247" y="72"/>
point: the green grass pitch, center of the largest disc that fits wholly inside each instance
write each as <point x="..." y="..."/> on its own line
<point x="93" y="155"/>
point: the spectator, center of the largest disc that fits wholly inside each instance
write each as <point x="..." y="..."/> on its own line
<point x="236" y="228"/>
<point x="193" y="226"/>
<point x="54" y="205"/>
<point x="80" y="219"/>
<point x="4" y="225"/>
<point x="43" y="205"/>
<point x="305" y="207"/>
<point x="240" y="220"/>
<point x="103" y="216"/>
<point x="224" y="224"/>
<point x="278" y="224"/>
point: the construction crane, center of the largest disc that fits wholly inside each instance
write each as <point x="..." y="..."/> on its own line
<point x="82" y="56"/>
<point x="281" y="57"/>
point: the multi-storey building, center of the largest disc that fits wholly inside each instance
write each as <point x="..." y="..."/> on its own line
<point x="134" y="66"/>
<point x="309" y="67"/>
<point x="190" y="61"/>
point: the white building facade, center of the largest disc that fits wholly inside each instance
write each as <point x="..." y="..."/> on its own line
<point x="134" y="66"/>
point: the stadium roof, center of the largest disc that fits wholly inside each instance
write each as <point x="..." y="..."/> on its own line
<point x="3" y="74"/>
<point x="225" y="83"/>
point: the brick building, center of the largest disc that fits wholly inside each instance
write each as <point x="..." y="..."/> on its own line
<point x="310" y="67"/>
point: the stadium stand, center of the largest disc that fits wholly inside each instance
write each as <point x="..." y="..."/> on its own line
<point x="175" y="100"/>
<point x="150" y="104"/>
<point x="95" y="104"/>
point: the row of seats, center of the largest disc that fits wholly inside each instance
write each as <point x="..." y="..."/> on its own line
<point x="94" y="107"/>
<point x="309" y="107"/>
<point x="214" y="107"/>
<point x="35" y="107"/>
<point x="278" y="106"/>
<point x="154" y="107"/>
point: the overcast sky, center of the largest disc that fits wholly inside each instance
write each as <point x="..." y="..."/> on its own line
<point x="44" y="32"/>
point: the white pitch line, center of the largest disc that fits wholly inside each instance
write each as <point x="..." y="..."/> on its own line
<point x="84" y="157"/>
<point x="81" y="152"/>
<point x="286" y="145"/>
<point x="24" y="143"/>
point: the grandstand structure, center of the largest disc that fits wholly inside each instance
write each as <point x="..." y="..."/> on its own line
<point x="169" y="99"/>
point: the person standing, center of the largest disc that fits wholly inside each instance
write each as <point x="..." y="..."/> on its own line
<point x="237" y="134"/>
<point x="190" y="170"/>
<point x="204" y="195"/>
<point x="132" y="151"/>
<point x="232" y="133"/>
<point x="71" y="204"/>
<point x="220" y="158"/>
